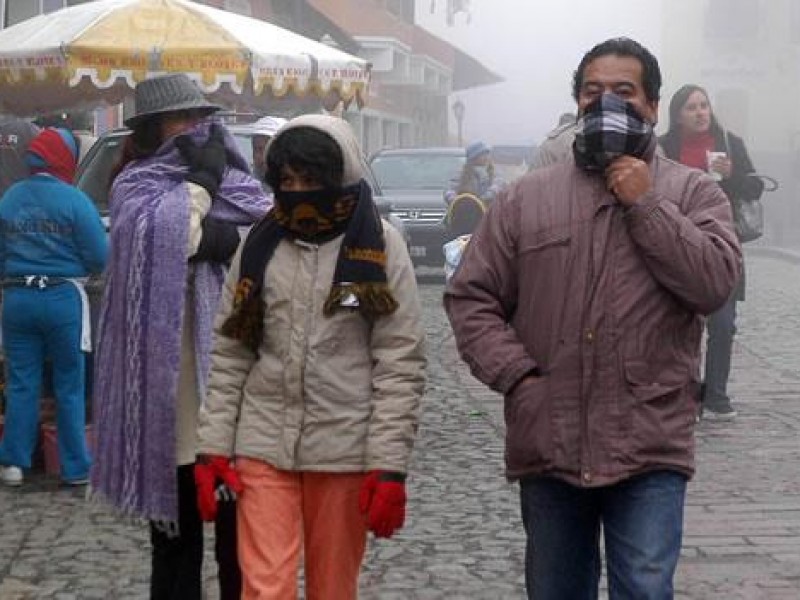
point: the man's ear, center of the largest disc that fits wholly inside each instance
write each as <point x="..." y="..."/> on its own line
<point x="652" y="109"/>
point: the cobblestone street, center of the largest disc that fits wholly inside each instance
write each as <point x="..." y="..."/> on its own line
<point x="463" y="536"/>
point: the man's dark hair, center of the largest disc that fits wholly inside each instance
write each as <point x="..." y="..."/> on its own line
<point x="308" y="151"/>
<point x="622" y="46"/>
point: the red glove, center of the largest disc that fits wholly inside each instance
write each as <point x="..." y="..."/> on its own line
<point x="208" y="470"/>
<point x="383" y="500"/>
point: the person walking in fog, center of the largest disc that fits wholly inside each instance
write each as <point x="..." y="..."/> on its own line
<point x="463" y="216"/>
<point x="180" y="193"/>
<point x="265" y="129"/>
<point x="696" y="139"/>
<point x="51" y="239"/>
<point x="557" y="146"/>
<point x="580" y="298"/>
<point x="477" y="176"/>
<point x="317" y="370"/>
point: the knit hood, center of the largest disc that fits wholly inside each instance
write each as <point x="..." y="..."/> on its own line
<point x="53" y="151"/>
<point x="355" y="166"/>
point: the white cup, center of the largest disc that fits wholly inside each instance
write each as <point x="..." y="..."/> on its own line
<point x="710" y="158"/>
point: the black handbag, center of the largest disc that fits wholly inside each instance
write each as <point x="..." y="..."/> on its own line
<point x="748" y="214"/>
<point x="748" y="218"/>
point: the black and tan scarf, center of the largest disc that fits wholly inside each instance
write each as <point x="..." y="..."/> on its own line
<point x="359" y="280"/>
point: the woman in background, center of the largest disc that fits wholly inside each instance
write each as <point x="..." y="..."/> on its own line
<point x="477" y="177"/>
<point x="696" y="139"/>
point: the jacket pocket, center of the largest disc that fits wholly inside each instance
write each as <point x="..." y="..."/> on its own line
<point x="344" y="332"/>
<point x="647" y="383"/>
<point x="662" y="412"/>
<point x="529" y="445"/>
<point x="548" y="238"/>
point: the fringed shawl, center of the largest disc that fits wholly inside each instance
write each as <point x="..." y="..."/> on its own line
<point x="139" y="334"/>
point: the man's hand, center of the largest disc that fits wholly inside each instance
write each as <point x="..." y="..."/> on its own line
<point x="628" y="178"/>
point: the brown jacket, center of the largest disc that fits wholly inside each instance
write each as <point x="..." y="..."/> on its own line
<point x="606" y="302"/>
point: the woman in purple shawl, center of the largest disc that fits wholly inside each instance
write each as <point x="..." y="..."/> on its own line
<point x="181" y="191"/>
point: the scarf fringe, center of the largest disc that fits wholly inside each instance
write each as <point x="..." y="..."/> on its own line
<point x="374" y="298"/>
<point x="98" y="500"/>
<point x="246" y="323"/>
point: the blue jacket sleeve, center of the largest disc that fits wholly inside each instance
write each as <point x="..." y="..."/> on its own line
<point x="91" y="238"/>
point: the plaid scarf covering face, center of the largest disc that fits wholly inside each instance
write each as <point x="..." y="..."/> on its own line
<point x="359" y="280"/>
<point x="609" y="128"/>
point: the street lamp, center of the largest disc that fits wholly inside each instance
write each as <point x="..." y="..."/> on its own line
<point x="458" y="113"/>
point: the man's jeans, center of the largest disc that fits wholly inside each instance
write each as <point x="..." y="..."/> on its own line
<point x="721" y="327"/>
<point x="642" y="520"/>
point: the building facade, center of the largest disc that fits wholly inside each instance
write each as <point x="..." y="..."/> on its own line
<point x="745" y="53"/>
<point x="413" y="71"/>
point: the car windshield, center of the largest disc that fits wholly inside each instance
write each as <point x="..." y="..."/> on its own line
<point x="94" y="177"/>
<point x="423" y="171"/>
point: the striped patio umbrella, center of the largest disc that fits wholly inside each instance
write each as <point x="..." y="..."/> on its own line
<point x="95" y="53"/>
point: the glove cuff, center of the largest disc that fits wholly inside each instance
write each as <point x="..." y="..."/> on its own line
<point x="204" y="180"/>
<point x="391" y="476"/>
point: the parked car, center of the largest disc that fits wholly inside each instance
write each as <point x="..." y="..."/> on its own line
<point x="414" y="181"/>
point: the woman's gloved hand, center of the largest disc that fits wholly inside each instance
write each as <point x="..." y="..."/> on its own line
<point x="382" y="500"/>
<point x="207" y="162"/>
<point x="211" y="471"/>
<point x="218" y="243"/>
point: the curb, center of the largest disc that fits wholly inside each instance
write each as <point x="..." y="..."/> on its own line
<point x="792" y="256"/>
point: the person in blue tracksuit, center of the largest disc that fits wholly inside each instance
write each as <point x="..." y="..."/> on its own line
<point x="51" y="239"/>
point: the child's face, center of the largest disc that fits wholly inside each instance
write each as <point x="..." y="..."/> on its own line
<point x="297" y="181"/>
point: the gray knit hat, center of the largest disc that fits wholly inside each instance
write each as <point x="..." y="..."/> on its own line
<point x="167" y="93"/>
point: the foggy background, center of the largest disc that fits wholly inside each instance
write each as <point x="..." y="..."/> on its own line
<point x="535" y="46"/>
<point x="746" y="53"/>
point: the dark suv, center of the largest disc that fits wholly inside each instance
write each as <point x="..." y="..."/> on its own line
<point x="413" y="181"/>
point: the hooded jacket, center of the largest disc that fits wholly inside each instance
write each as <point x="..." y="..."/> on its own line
<point x="335" y="394"/>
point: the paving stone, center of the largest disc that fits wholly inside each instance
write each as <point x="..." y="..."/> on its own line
<point x="463" y="537"/>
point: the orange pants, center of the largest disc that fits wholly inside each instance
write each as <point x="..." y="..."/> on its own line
<point x="281" y="511"/>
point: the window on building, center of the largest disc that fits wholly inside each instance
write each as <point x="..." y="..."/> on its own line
<point x="287" y="13"/>
<point x="402" y="8"/>
<point x="732" y="106"/>
<point x="794" y="22"/>
<point x="20" y="10"/>
<point x="243" y="7"/>
<point x="49" y="6"/>
<point x="732" y="19"/>
<point x="404" y="135"/>
<point x="371" y="135"/>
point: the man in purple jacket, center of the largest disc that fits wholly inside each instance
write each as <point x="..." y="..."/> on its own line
<point x="580" y="298"/>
